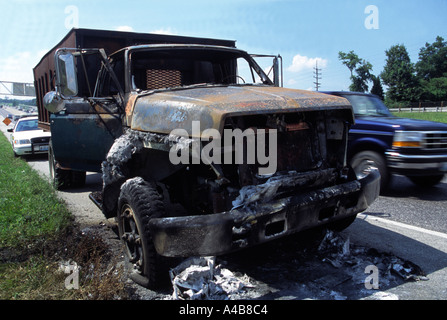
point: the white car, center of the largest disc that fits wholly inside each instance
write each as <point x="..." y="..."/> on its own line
<point x="27" y="138"/>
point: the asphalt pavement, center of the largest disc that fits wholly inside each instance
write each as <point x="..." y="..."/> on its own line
<point x="425" y="248"/>
<point x="405" y="202"/>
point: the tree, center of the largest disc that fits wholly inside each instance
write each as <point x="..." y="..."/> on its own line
<point x="433" y="60"/>
<point x="361" y="67"/>
<point x="363" y="76"/>
<point x="434" y="89"/>
<point x="432" y="70"/>
<point x="377" y="88"/>
<point x="349" y="59"/>
<point x="399" y="75"/>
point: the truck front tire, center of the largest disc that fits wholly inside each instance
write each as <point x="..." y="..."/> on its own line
<point x="139" y="201"/>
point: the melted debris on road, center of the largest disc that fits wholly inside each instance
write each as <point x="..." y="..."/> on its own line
<point x="200" y="278"/>
<point x="324" y="267"/>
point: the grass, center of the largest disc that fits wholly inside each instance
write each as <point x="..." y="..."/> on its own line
<point x="34" y="279"/>
<point x="29" y="207"/>
<point x="431" y="116"/>
<point x="37" y="234"/>
<point x="44" y="277"/>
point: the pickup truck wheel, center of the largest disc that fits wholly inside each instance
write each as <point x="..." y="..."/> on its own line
<point x="363" y="161"/>
<point x="426" y="181"/>
<point x="139" y="201"/>
<point x="60" y="178"/>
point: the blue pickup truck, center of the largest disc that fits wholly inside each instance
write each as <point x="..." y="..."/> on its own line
<point x="413" y="148"/>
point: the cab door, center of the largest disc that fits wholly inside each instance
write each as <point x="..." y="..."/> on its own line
<point x="85" y="129"/>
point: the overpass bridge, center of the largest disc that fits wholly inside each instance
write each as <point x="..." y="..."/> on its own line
<point x="18" y="89"/>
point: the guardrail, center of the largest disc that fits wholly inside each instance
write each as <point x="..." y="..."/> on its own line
<point x="422" y="107"/>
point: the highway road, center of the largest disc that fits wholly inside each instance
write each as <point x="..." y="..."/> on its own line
<point x="408" y="222"/>
<point x="417" y="206"/>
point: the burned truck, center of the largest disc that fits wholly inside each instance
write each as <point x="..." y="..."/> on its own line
<point x="201" y="151"/>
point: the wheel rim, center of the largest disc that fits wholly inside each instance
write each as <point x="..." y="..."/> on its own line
<point x="131" y="238"/>
<point x="364" y="167"/>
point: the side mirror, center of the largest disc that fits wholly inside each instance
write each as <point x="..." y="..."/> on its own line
<point x="52" y="102"/>
<point x="10" y="130"/>
<point x="66" y="79"/>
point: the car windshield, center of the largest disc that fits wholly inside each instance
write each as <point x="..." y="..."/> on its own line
<point x="156" y="69"/>
<point x="368" y="106"/>
<point x="27" y="125"/>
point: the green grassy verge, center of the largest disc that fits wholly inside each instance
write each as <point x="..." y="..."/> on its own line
<point x="37" y="234"/>
<point x="431" y="116"/>
<point x="29" y="207"/>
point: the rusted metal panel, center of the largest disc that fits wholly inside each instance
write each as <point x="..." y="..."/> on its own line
<point x="111" y="41"/>
<point x="211" y="105"/>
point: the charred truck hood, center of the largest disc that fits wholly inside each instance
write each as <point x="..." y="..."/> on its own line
<point x="211" y="105"/>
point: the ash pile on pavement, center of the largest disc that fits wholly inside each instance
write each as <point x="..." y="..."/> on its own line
<point x="200" y="278"/>
<point x="325" y="266"/>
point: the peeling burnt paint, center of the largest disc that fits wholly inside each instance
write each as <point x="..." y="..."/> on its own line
<point x="120" y="153"/>
<point x="131" y="143"/>
<point x="115" y="169"/>
<point x="165" y="111"/>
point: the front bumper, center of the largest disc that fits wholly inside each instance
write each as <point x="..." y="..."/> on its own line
<point x="221" y="233"/>
<point x="417" y="164"/>
<point x="30" y="149"/>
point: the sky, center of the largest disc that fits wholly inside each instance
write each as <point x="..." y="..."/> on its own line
<point x="303" y="32"/>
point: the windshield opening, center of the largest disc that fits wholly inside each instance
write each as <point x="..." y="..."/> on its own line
<point x="27" y="125"/>
<point x="368" y="106"/>
<point x="169" y="68"/>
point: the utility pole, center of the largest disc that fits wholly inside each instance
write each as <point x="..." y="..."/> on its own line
<point x="317" y="76"/>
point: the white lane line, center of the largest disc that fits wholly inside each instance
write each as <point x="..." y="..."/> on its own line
<point x="402" y="225"/>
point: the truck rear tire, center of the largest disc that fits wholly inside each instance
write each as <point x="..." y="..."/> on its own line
<point x="139" y="201"/>
<point x="61" y="179"/>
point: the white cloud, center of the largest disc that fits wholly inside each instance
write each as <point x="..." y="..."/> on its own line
<point x="124" y="28"/>
<point x="19" y="67"/>
<point x="167" y="31"/>
<point x="303" y="63"/>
